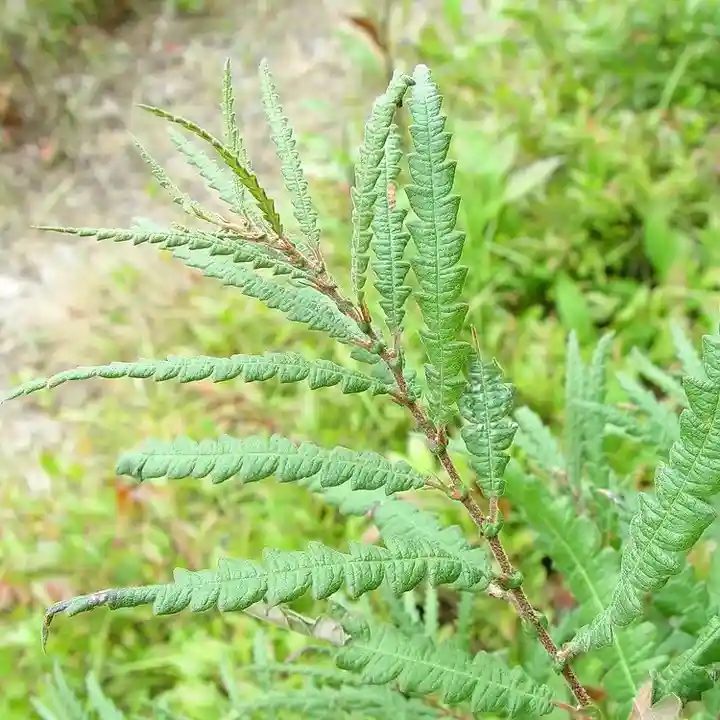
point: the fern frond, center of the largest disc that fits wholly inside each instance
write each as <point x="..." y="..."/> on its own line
<point x="661" y="417"/>
<point x="685" y="351"/>
<point x="688" y="676"/>
<point x="292" y="171"/>
<point x="573" y="420"/>
<point x="231" y="247"/>
<point x="489" y="432"/>
<point x="391" y="239"/>
<point x="439" y="247"/>
<point x="381" y="655"/>
<point x="216" y="176"/>
<point x="231" y="159"/>
<point x="184" y="201"/>
<point x="282" y="577"/>
<point x="327" y="702"/>
<point x="590" y="570"/>
<point x="232" y="135"/>
<point x="398" y="518"/>
<point x="367" y="171"/>
<point x="663" y="379"/>
<point x="287" y="367"/>
<point x="62" y="702"/>
<point x="256" y="458"/>
<point x="536" y="440"/>
<point x="301" y="304"/>
<point x="669" y="524"/>
<point x="101" y="703"/>
<point x="594" y="390"/>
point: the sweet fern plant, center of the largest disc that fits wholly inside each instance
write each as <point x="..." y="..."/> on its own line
<point x="642" y="635"/>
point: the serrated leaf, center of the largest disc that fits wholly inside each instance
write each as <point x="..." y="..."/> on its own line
<point x="286" y="367"/>
<point x="216" y="176"/>
<point x="688" y="676"/>
<point x="291" y="167"/>
<point x="224" y="247"/>
<point x="364" y="191"/>
<point x="439" y="247"/>
<point x="536" y="439"/>
<point x="382" y="655"/>
<point x="669" y="523"/>
<point x="281" y="577"/>
<point x="231" y="159"/>
<point x="231" y="132"/>
<point x="256" y="458"/>
<point x="391" y="239"/>
<point x="301" y="304"/>
<point x="489" y="432"/>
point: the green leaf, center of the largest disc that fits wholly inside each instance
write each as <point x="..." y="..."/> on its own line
<point x="233" y="161"/>
<point x="688" y="675"/>
<point x="364" y="192"/>
<point x="590" y="570"/>
<point x="530" y="178"/>
<point x="537" y="441"/>
<point x="298" y="303"/>
<point x="572" y="307"/>
<point x="687" y="354"/>
<point x="231" y="132"/>
<point x="381" y="654"/>
<point x="398" y="518"/>
<point x="282" y="577"/>
<point x="439" y="247"/>
<point x="225" y="247"/>
<point x="287" y="367"/>
<point x="660" y="241"/>
<point x="391" y="239"/>
<point x="292" y="171"/>
<point x="573" y="421"/>
<point x="668" y="524"/>
<point x="216" y="176"/>
<point x="486" y="406"/>
<point x="256" y="458"/>
<point x="333" y="703"/>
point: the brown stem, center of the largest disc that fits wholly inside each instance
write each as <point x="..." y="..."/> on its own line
<point x="458" y="491"/>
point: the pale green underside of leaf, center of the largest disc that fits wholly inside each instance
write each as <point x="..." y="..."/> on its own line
<point x="301" y="304"/>
<point x="489" y="432"/>
<point x="573" y="422"/>
<point x="256" y="458"/>
<point x="217" y="177"/>
<point x="181" y="199"/>
<point x="395" y="517"/>
<point x="286" y="367"/>
<point x="291" y="166"/>
<point x="536" y="440"/>
<point x="334" y="702"/>
<point x="232" y="134"/>
<point x="233" y="161"/>
<point x="382" y="654"/>
<point x="669" y="523"/>
<point x="226" y="248"/>
<point x="389" y="266"/>
<point x="439" y="247"/>
<point x="688" y="675"/>
<point x="364" y="192"/>
<point x="282" y="577"/>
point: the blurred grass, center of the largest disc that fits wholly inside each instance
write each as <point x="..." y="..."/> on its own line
<point x="588" y="146"/>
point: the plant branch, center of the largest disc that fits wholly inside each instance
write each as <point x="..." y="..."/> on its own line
<point x="458" y="491"/>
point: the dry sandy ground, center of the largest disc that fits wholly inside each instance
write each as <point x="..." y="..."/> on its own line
<point x="166" y="61"/>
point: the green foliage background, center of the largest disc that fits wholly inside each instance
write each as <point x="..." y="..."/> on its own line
<point x="588" y="141"/>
